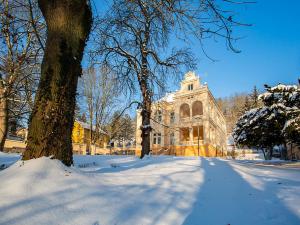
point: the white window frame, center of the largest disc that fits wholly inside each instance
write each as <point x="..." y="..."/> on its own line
<point x="172" y="139"/>
<point x="154" y="138"/>
<point x="159" y="138"/>
<point x="172" y="117"/>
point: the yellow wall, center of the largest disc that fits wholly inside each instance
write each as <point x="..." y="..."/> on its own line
<point x="78" y="133"/>
<point x="204" y="150"/>
<point x="82" y="136"/>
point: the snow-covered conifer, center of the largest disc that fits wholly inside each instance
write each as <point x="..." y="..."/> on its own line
<point x="275" y="123"/>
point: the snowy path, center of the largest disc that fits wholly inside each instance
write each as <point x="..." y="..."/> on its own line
<point x="160" y="190"/>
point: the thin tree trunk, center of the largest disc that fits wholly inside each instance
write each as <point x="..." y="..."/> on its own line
<point x="271" y="153"/>
<point x="284" y="152"/>
<point x="51" y="122"/>
<point x="146" y="129"/>
<point x="91" y="137"/>
<point x="265" y="157"/>
<point x="146" y="115"/>
<point x="146" y="93"/>
<point x="3" y="118"/>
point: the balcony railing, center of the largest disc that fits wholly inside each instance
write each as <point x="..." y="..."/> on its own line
<point x="185" y="119"/>
<point x="194" y="142"/>
<point x="196" y="118"/>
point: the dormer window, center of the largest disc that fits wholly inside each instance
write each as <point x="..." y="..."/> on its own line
<point x="190" y="87"/>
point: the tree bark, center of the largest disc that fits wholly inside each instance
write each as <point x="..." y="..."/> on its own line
<point x="271" y="153"/>
<point x="263" y="151"/>
<point x="284" y="152"/>
<point x="146" y="115"/>
<point x="51" y="122"/>
<point x="3" y="117"/>
<point x="146" y="109"/>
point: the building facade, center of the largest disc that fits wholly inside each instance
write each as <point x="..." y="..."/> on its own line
<point x="187" y="122"/>
<point x="81" y="139"/>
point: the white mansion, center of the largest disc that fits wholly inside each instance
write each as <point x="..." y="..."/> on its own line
<point x="187" y="122"/>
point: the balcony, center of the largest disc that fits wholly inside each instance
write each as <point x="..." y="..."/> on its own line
<point x="197" y="118"/>
<point x="189" y="143"/>
<point x="185" y="119"/>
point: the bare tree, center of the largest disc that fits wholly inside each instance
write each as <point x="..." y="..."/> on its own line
<point x="100" y="96"/>
<point x="133" y="39"/>
<point x="51" y="122"/>
<point x="20" y="55"/>
<point x="121" y="128"/>
<point x="233" y="107"/>
<point x="126" y="130"/>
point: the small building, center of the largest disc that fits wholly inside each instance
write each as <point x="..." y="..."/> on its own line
<point x="81" y="138"/>
<point x="187" y="122"/>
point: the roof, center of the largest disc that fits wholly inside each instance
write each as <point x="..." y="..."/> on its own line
<point x="88" y="126"/>
<point x="169" y="97"/>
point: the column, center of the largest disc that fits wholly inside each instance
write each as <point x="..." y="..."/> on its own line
<point x="191" y="135"/>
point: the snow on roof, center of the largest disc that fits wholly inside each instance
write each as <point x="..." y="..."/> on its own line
<point x="169" y="97"/>
<point x="88" y="126"/>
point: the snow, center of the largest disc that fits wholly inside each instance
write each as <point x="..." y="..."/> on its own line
<point x="283" y="87"/>
<point x="251" y="156"/>
<point x="169" y="97"/>
<point x="156" y="190"/>
<point x="146" y="126"/>
<point x="7" y="159"/>
<point x="290" y="122"/>
<point x="281" y="93"/>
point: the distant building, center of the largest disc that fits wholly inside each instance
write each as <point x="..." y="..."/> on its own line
<point x="187" y="122"/>
<point x="22" y="133"/>
<point x="81" y="138"/>
<point x="293" y="151"/>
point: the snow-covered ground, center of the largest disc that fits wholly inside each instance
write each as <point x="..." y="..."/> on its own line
<point x="7" y="159"/>
<point x="111" y="190"/>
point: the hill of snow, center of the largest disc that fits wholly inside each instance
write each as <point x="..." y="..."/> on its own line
<point x="105" y="190"/>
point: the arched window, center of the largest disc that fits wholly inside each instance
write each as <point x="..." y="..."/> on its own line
<point x="197" y="108"/>
<point x="184" y="110"/>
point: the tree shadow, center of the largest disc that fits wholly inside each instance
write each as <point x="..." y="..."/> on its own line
<point x="205" y="191"/>
<point x="227" y="198"/>
<point x="123" y="166"/>
<point x="154" y="199"/>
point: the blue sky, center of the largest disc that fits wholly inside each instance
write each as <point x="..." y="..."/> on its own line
<point x="270" y="50"/>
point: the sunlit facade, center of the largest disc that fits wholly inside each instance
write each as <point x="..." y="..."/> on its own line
<point x="187" y="122"/>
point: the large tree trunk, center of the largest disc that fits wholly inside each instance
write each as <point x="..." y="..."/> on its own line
<point x="3" y="117"/>
<point x="51" y="122"/>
